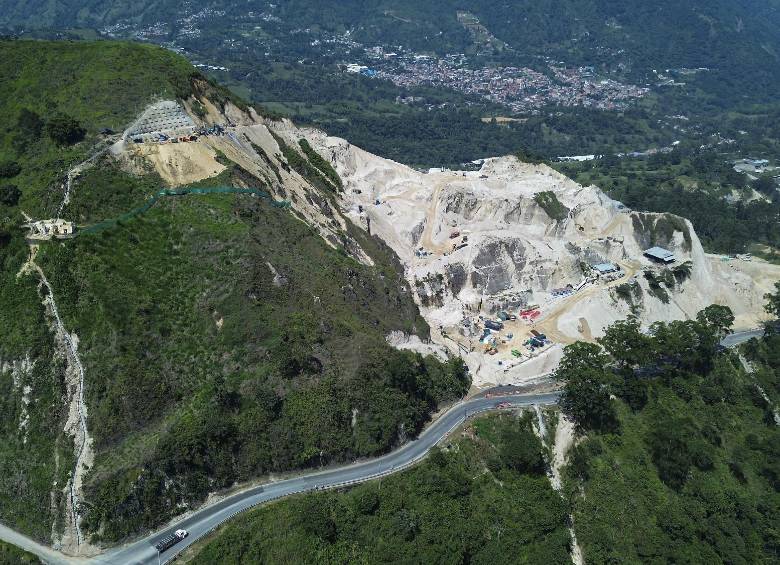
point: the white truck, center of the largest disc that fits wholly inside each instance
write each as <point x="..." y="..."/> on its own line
<point x="170" y="540"/>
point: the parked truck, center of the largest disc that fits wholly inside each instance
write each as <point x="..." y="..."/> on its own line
<point x="170" y="540"/>
<point x="495" y="326"/>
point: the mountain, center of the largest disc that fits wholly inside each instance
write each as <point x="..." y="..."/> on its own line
<point x="598" y="77"/>
<point x="662" y="34"/>
<point x="244" y="297"/>
<point x="215" y="338"/>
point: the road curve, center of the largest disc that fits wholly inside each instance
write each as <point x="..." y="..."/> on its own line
<point x="207" y="519"/>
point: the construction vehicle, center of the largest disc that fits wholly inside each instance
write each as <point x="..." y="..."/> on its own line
<point x="516" y="353"/>
<point x="495" y="326"/>
<point x="170" y="540"/>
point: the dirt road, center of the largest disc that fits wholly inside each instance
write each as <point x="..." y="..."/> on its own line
<point x="549" y="323"/>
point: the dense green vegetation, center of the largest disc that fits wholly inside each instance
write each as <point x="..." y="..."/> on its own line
<point x="693" y="184"/>
<point x="55" y="97"/>
<point x="30" y="435"/>
<point x="326" y="180"/>
<point x="223" y="367"/>
<point x="222" y="338"/>
<point x="679" y="461"/>
<point x="12" y="555"/>
<point x="321" y="164"/>
<point x="54" y="94"/>
<point x="269" y="63"/>
<point x="484" y="498"/>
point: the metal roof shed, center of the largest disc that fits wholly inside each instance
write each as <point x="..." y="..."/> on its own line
<point x="604" y="268"/>
<point x="660" y="254"/>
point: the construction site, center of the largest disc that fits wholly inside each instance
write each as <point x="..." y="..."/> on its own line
<point x="502" y="276"/>
<point x="45" y="230"/>
<point x="505" y="280"/>
<point x="166" y="118"/>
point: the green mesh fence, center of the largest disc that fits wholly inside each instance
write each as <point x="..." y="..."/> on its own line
<point x="186" y="191"/>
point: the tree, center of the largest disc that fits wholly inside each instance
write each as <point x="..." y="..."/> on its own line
<point x="765" y="184"/>
<point x="773" y="304"/>
<point x="587" y="382"/>
<point x="10" y="194"/>
<point x="521" y="450"/>
<point x="64" y="130"/>
<point x="717" y="317"/>
<point x="627" y="344"/>
<point x="28" y="129"/>
<point x="295" y="352"/>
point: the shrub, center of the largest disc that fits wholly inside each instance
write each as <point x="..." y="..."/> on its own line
<point x="9" y="169"/>
<point x="64" y="130"/>
<point x="551" y="205"/>
<point x="9" y="195"/>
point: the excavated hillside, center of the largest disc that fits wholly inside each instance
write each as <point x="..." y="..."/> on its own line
<point x="185" y="307"/>
<point x="507" y="238"/>
<point x="504" y="238"/>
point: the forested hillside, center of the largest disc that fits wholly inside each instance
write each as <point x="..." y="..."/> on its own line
<point x="723" y="34"/>
<point x="707" y="61"/>
<point x="676" y="460"/>
<point x="221" y="338"/>
<point x="679" y="456"/>
<point x="482" y="498"/>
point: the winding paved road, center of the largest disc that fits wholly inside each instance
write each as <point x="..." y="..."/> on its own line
<point x="207" y="519"/>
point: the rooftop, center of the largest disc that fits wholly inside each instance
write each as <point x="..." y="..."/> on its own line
<point x="605" y="267"/>
<point x="660" y="254"/>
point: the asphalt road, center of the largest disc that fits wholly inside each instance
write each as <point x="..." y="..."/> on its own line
<point x="737" y="338"/>
<point x="207" y="519"/>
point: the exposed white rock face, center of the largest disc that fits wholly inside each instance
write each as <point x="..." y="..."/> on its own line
<point x="479" y="242"/>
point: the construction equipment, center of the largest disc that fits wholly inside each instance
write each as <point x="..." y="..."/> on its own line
<point x="516" y="353"/>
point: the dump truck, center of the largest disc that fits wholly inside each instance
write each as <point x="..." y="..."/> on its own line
<point x="170" y="540"/>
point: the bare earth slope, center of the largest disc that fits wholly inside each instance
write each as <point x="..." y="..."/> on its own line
<point x="477" y="243"/>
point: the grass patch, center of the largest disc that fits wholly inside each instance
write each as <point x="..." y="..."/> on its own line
<point x="321" y="164"/>
<point x="12" y="555"/>
<point x="551" y="205"/>
<point x="303" y="167"/>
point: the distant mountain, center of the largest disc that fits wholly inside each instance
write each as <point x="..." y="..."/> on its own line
<point x="667" y="33"/>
